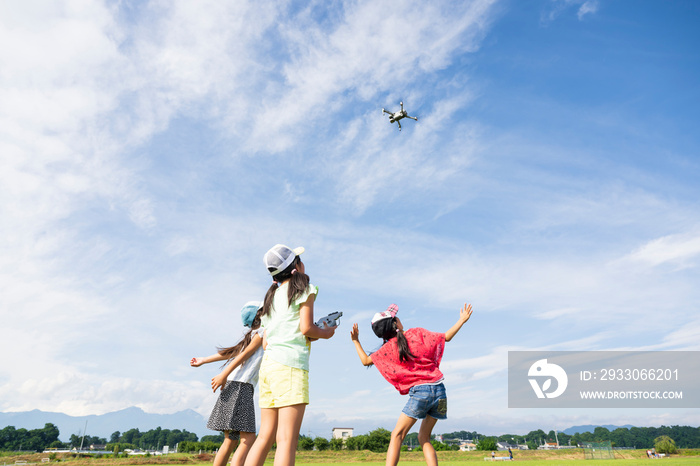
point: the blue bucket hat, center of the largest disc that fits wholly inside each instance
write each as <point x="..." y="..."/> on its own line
<point x="250" y="309"/>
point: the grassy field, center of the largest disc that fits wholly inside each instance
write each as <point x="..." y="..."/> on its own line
<point x="367" y="458"/>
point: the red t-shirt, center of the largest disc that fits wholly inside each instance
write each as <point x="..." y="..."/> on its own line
<point x="424" y="368"/>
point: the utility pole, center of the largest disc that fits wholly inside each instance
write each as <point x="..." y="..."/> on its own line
<point x="83" y="439"/>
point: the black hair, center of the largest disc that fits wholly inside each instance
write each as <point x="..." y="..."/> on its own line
<point x="298" y="283"/>
<point x="233" y="351"/>
<point x="387" y="329"/>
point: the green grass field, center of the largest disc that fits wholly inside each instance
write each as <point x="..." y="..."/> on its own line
<point x="367" y="458"/>
<point x="554" y="462"/>
<point x="551" y="462"/>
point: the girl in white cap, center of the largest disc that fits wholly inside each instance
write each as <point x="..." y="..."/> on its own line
<point x="234" y="411"/>
<point x="288" y="320"/>
<point x="410" y="361"/>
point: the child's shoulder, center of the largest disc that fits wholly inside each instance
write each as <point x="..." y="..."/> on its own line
<point x="311" y="290"/>
<point x="417" y="330"/>
<point x="420" y="332"/>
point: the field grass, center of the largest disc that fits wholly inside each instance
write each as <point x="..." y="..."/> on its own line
<point x="367" y="458"/>
<point x="531" y="458"/>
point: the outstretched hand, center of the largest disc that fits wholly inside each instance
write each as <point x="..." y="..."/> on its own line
<point x="196" y="362"/>
<point x="354" y="333"/>
<point x="465" y="313"/>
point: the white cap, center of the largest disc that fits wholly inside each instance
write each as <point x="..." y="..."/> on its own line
<point x="279" y="257"/>
<point x="388" y="314"/>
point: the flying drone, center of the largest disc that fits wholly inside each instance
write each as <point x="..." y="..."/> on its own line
<point x="395" y="117"/>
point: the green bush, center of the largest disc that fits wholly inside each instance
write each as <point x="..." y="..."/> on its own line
<point x="665" y="444"/>
<point x="486" y="444"/>
<point x="321" y="443"/>
<point x="378" y="440"/>
<point x="305" y="443"/>
<point x="358" y="442"/>
<point x="439" y="446"/>
<point x="337" y="444"/>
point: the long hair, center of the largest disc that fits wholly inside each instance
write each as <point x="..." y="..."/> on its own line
<point x="233" y="351"/>
<point x="298" y="283"/>
<point x="391" y="331"/>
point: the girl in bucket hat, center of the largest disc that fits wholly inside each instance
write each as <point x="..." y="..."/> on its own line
<point x="234" y="411"/>
<point x="288" y="320"/>
<point x="410" y="361"/>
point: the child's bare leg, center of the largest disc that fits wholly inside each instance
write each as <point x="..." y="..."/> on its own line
<point x="225" y="450"/>
<point x="403" y="425"/>
<point x="290" y="418"/>
<point x="247" y="440"/>
<point x="424" y="434"/>
<point x="266" y="437"/>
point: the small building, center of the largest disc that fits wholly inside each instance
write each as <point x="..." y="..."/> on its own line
<point x="467" y="446"/>
<point x="342" y="432"/>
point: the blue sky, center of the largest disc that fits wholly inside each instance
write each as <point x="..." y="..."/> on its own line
<point x="152" y="152"/>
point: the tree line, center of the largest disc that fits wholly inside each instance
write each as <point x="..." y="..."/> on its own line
<point x="12" y="439"/>
<point x="621" y="437"/>
<point x="154" y="439"/>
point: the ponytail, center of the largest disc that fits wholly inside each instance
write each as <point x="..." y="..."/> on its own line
<point x="269" y="296"/>
<point x="233" y="351"/>
<point x="298" y="284"/>
<point x="404" y="351"/>
<point x="391" y="330"/>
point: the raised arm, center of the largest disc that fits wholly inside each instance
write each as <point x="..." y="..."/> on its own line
<point x="220" y="379"/>
<point x="464" y="314"/>
<point x="307" y="325"/>
<point x="196" y="362"/>
<point x="355" y="335"/>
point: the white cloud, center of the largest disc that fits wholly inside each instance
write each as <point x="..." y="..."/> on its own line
<point x="685" y="337"/>
<point x="680" y="250"/>
<point x="589" y="7"/>
<point x="557" y="7"/>
<point x="371" y="50"/>
<point x="80" y="394"/>
<point x="383" y="166"/>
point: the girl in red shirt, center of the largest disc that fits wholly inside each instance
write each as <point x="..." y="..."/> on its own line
<point x="410" y="361"/>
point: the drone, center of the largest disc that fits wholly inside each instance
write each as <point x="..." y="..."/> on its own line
<point x="395" y="117"/>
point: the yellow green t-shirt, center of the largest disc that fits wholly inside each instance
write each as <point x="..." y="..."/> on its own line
<point x="285" y="342"/>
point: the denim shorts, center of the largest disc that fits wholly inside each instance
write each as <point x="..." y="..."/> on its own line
<point x="430" y="400"/>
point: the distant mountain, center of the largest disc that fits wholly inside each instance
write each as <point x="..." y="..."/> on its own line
<point x="104" y="425"/>
<point x="590" y="428"/>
